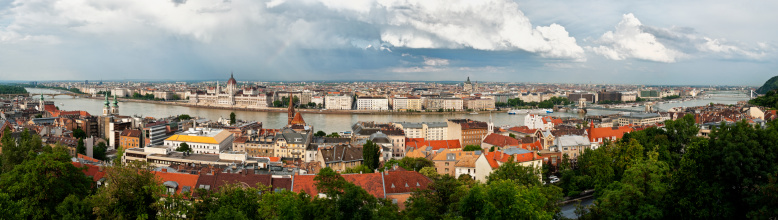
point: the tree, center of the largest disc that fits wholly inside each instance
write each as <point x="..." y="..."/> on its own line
<point x="472" y="148"/>
<point x="9" y="208"/>
<point x="512" y="135"/>
<point x="43" y="182"/>
<point x="131" y="193"/>
<point x="184" y="117"/>
<point x="467" y="180"/>
<point x="278" y="104"/>
<point x="78" y="133"/>
<point x="525" y="175"/>
<point x="358" y="169"/>
<point x="349" y="201"/>
<point x="440" y="199"/>
<point x="99" y="151"/>
<point x="74" y="207"/>
<point x="16" y="152"/>
<point x="719" y="177"/>
<point x="371" y="153"/>
<point x="429" y="172"/>
<point x="80" y="148"/>
<point x="640" y="194"/>
<point x="184" y="147"/>
<point x="334" y="135"/>
<point x="232" y="118"/>
<point x="320" y="134"/>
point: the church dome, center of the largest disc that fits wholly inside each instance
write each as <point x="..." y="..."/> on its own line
<point x="232" y="80"/>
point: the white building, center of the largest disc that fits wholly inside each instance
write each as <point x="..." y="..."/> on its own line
<point x="426" y="130"/>
<point x="337" y="102"/>
<point x="372" y="103"/>
<point x="444" y="103"/>
<point x="406" y="103"/>
<point x="230" y="96"/>
<point x="203" y="140"/>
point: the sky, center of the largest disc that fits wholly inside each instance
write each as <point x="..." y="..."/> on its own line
<point x="665" y="42"/>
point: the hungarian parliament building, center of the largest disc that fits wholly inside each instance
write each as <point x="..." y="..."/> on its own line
<point x="230" y="96"/>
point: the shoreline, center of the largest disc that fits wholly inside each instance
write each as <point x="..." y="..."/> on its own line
<point x="302" y="110"/>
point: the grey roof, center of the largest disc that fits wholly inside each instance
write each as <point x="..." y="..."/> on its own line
<point x="515" y="150"/>
<point x="410" y="124"/>
<point x="379" y="138"/>
<point x="437" y="124"/>
<point x="293" y="138"/>
<point x="571" y="140"/>
<point x="43" y="120"/>
<point x="641" y="115"/>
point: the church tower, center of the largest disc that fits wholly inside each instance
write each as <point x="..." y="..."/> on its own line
<point x="106" y="107"/>
<point x="41" y="104"/>
<point x="290" y="111"/>
<point x="115" y="108"/>
<point x="468" y="86"/>
<point x="232" y="85"/>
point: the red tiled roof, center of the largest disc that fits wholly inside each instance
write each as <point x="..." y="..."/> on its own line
<point x="549" y="119"/>
<point x="501" y="140"/>
<point x="607" y="132"/>
<point x="371" y="182"/>
<point x="182" y="179"/>
<point x="405" y="181"/>
<point x="240" y="140"/>
<point x="87" y="158"/>
<point x="420" y="143"/>
<point x="523" y="129"/>
<point x="92" y="171"/>
<point x="494" y="157"/>
<point x="131" y="133"/>
<point x="298" y="119"/>
<point x="533" y="146"/>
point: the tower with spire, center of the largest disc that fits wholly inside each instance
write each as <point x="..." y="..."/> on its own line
<point x="41" y="104"/>
<point x="106" y="107"/>
<point x="115" y="107"/>
<point x="290" y="111"/>
<point x="468" y="86"/>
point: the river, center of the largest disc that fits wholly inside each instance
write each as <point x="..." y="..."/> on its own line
<point x="325" y="122"/>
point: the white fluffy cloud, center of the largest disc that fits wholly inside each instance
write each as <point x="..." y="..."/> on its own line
<point x="481" y="25"/>
<point x="632" y="39"/>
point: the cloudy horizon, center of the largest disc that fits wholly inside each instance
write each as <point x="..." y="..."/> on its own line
<point x="607" y="41"/>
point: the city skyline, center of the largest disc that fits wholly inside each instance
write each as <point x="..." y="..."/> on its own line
<point x="610" y="42"/>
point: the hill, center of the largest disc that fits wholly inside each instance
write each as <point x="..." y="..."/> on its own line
<point x="770" y="85"/>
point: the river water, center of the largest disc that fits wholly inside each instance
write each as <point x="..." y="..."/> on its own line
<point x="330" y="122"/>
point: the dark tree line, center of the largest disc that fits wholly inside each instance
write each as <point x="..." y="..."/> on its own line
<point x="6" y="89"/>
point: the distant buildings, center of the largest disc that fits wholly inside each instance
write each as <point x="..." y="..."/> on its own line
<point x="339" y="102"/>
<point x="468" y="132"/>
<point x="425" y="130"/>
<point x="406" y="103"/>
<point x="372" y="103"/>
<point x="230" y="96"/>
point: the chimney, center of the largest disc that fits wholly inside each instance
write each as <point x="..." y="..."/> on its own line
<point x="164" y="170"/>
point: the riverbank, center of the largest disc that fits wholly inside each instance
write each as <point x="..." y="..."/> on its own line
<point x="307" y="111"/>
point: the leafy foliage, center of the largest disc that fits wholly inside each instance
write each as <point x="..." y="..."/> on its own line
<point x="232" y="118"/>
<point x="184" y="147"/>
<point x="770" y="100"/>
<point x="472" y="148"/>
<point x="40" y="183"/>
<point x="184" y="117"/>
<point x="409" y="163"/>
<point x="6" y="89"/>
<point x="320" y="134"/>
<point x="16" y="152"/>
<point x="371" y="153"/>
